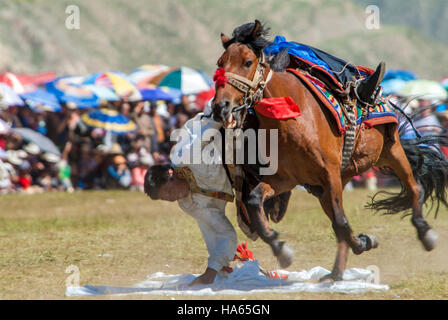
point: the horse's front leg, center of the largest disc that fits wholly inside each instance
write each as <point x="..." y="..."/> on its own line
<point x="257" y="197"/>
<point x="331" y="202"/>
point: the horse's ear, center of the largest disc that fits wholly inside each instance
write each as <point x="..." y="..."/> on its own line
<point x="256" y="31"/>
<point x="224" y="39"/>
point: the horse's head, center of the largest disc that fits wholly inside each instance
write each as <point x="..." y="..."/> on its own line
<point x="240" y="72"/>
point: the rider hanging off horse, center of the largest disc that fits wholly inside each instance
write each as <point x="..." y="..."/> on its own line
<point x="340" y="128"/>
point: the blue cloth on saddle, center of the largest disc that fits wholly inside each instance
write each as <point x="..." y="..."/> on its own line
<point x="295" y="49"/>
<point x="336" y="67"/>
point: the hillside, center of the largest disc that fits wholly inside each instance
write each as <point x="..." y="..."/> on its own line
<point x="121" y="35"/>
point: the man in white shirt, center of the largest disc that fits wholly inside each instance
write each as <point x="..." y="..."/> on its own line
<point x="201" y="188"/>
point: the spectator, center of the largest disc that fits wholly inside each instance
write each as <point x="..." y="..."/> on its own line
<point x="118" y="174"/>
<point x="138" y="172"/>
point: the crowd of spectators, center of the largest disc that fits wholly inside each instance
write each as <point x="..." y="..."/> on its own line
<point x="91" y="158"/>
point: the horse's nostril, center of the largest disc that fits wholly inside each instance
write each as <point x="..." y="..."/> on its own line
<point x="225" y="103"/>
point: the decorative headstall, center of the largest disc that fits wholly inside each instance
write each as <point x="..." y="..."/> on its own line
<point x="252" y="89"/>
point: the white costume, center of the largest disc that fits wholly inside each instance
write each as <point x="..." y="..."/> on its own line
<point x="217" y="231"/>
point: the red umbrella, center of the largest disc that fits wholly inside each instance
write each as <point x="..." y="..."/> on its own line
<point x="26" y="82"/>
<point x="203" y="97"/>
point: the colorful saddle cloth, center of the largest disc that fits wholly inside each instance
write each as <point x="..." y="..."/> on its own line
<point x="382" y="113"/>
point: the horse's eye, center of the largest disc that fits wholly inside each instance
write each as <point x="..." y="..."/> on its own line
<point x="248" y="63"/>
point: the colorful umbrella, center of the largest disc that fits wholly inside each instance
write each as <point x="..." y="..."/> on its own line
<point x="68" y="90"/>
<point x="41" y="99"/>
<point x="109" y="120"/>
<point x="44" y="143"/>
<point x="8" y="97"/>
<point x="404" y="75"/>
<point x="23" y="83"/>
<point x="143" y="75"/>
<point x="103" y="93"/>
<point x="444" y="83"/>
<point x="392" y="86"/>
<point x="204" y="97"/>
<point x="188" y="80"/>
<point x="423" y="89"/>
<point x="116" y="81"/>
<point x="156" y="93"/>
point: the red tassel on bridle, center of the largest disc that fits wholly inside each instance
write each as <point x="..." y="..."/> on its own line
<point x="220" y="77"/>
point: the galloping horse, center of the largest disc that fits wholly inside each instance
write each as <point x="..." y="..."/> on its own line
<point x="310" y="151"/>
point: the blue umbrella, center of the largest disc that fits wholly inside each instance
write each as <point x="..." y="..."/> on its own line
<point x="175" y="94"/>
<point x="41" y="99"/>
<point x="70" y="92"/>
<point x="392" y="86"/>
<point x="109" y="120"/>
<point x="405" y="75"/>
<point x="156" y="93"/>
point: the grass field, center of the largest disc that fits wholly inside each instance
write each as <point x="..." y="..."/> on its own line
<point x="119" y="238"/>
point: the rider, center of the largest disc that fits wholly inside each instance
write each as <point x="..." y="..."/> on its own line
<point x="201" y="190"/>
<point x="338" y="68"/>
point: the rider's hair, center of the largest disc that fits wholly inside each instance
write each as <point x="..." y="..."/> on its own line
<point x="155" y="178"/>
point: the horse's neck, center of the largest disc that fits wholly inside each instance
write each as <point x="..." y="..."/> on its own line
<point x="277" y="85"/>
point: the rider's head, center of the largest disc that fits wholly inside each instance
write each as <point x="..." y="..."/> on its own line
<point x="162" y="183"/>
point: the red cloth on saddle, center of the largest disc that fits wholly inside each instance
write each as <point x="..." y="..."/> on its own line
<point x="278" y="108"/>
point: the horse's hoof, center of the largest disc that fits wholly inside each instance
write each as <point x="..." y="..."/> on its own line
<point x="368" y="242"/>
<point x="331" y="277"/>
<point x="373" y="241"/>
<point x="430" y="239"/>
<point x="285" y="256"/>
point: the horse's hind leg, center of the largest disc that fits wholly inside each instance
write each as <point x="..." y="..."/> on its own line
<point x="331" y="201"/>
<point x="395" y="158"/>
<point x="255" y="206"/>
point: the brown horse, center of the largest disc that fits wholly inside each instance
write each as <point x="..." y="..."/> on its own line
<point x="310" y="149"/>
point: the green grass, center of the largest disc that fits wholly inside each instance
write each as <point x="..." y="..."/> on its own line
<point x="41" y="235"/>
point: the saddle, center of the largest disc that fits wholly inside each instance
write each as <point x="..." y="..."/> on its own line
<point x="322" y="74"/>
<point x="347" y="110"/>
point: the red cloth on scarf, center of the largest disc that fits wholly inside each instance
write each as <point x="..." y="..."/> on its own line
<point x="278" y="108"/>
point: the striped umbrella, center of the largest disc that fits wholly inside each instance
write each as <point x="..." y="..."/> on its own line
<point x="69" y="90"/>
<point x="26" y="82"/>
<point x="117" y="81"/>
<point x="40" y="99"/>
<point x="189" y="81"/>
<point x="444" y="83"/>
<point x="154" y="93"/>
<point x="109" y="120"/>
<point x="143" y="75"/>
<point x="103" y="93"/>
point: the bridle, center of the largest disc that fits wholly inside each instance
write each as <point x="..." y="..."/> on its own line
<point x="252" y="89"/>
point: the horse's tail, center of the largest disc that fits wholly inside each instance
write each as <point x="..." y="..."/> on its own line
<point x="429" y="166"/>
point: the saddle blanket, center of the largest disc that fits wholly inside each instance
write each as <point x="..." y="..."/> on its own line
<point x="382" y="113"/>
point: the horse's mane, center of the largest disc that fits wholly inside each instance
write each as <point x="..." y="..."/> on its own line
<point x="257" y="43"/>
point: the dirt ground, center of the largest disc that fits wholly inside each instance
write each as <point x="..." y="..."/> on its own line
<point x="119" y="238"/>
